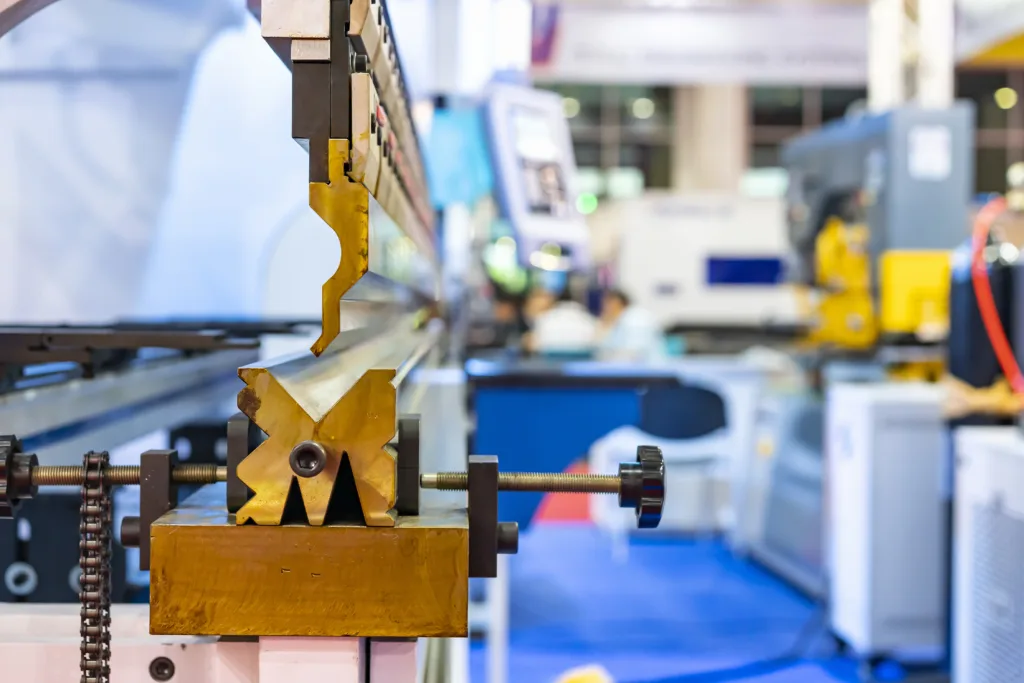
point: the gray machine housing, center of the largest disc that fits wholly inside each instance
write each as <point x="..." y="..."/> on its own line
<point x="914" y="168"/>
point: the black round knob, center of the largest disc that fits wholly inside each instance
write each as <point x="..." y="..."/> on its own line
<point x="642" y="486"/>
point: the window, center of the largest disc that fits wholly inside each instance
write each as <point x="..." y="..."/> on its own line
<point x="983" y="88"/>
<point x="617" y="128"/>
<point x="837" y="102"/>
<point x="1000" y="119"/>
<point x="777" y="106"/>
<point x="654" y="161"/>
<point x="587" y="153"/>
<point x="990" y="170"/>
<point x="765" y="156"/>
<point x="581" y="103"/>
<point x="779" y="114"/>
<point x="643" y="108"/>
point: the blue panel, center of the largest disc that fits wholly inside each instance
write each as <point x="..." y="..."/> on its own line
<point x="738" y="270"/>
<point x="545" y="429"/>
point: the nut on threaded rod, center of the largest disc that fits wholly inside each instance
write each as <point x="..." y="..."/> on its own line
<point x="528" y="481"/>
<point x="125" y="475"/>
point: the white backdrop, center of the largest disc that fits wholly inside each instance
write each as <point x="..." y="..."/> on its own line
<point x="239" y="191"/>
<point x="147" y="166"/>
<point x="91" y="99"/>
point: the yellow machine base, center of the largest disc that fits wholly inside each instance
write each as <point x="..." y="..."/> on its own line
<point x="211" y="577"/>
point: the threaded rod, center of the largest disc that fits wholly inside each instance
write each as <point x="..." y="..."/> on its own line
<point x="125" y="475"/>
<point x="528" y="481"/>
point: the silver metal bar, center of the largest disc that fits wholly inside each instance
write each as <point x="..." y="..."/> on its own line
<point x="73" y="417"/>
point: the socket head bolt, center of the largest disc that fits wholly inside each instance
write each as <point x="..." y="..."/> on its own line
<point x="15" y="475"/>
<point x="308" y="459"/>
<point x="643" y="486"/>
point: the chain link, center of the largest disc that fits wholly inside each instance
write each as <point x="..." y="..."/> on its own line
<point x="94" y="560"/>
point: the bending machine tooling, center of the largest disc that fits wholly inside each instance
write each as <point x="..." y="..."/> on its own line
<point x="308" y="557"/>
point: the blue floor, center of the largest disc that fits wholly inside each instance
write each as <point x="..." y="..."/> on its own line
<point x="676" y="611"/>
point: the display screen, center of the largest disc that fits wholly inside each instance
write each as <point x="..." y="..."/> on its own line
<point x="537" y="154"/>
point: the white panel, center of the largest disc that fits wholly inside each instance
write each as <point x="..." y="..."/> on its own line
<point x="296" y="18"/>
<point x="848" y="466"/>
<point x="885" y="448"/>
<point x="40" y="643"/>
<point x="393" y="661"/>
<point x="287" y="660"/>
<point x="989" y="477"/>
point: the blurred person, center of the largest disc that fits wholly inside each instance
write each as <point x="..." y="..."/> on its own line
<point x="509" y="325"/>
<point x="563" y="326"/>
<point x="627" y="332"/>
<point x="539" y="301"/>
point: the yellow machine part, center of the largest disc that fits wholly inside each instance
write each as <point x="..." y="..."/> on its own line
<point x="917" y="371"/>
<point x="914" y="292"/>
<point x="844" y="316"/>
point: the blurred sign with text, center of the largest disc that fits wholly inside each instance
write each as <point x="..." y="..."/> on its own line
<point x="721" y="42"/>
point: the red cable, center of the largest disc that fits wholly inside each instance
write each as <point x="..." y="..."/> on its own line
<point x="983" y="293"/>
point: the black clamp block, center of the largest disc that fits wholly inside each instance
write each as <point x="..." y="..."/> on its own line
<point x="487" y="536"/>
<point x="158" y="495"/>
<point x="407" y="483"/>
<point x="243" y="438"/>
<point x="482" y="486"/>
